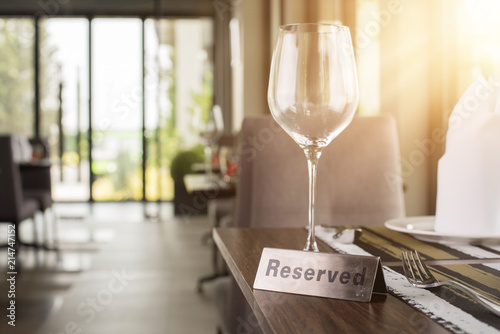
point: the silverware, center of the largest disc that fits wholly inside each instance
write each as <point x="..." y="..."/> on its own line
<point x="418" y="275"/>
<point x="348" y="235"/>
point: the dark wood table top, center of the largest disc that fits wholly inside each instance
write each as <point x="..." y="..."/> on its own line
<point x="199" y="168"/>
<point x="289" y="313"/>
<point x="41" y="163"/>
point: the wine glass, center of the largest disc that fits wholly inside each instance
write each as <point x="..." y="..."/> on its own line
<point x="210" y="126"/>
<point x="228" y="163"/>
<point x="313" y="91"/>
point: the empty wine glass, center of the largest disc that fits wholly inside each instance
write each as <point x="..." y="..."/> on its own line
<point x="210" y="126"/>
<point x="313" y="91"/>
<point x="228" y="159"/>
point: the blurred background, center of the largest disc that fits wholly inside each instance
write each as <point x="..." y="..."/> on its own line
<point x="112" y="85"/>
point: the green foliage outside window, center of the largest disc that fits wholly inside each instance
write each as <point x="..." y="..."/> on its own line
<point x="16" y="76"/>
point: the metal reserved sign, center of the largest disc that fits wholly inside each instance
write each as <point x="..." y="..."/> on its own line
<point x="350" y="277"/>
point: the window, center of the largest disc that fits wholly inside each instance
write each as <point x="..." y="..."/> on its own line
<point x="179" y="71"/>
<point x="97" y="137"/>
<point x="16" y="76"/>
<point x="64" y="104"/>
<point x="367" y="53"/>
<point x="116" y="109"/>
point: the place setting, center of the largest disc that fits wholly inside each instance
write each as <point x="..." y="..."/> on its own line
<point x="459" y="246"/>
<point x="468" y="184"/>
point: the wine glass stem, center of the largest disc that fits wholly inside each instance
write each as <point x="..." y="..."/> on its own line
<point x="312" y="154"/>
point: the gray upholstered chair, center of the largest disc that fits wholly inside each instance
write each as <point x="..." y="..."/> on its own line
<point x="37" y="184"/>
<point x="15" y="207"/>
<point x="358" y="184"/>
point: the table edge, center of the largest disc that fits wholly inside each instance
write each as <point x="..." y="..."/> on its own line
<point x="244" y="287"/>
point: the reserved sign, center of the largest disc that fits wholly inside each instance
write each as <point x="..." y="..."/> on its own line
<point x="350" y="277"/>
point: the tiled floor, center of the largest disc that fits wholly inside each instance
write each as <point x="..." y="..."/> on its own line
<point x="118" y="273"/>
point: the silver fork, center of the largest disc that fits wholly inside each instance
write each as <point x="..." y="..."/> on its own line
<point x="418" y="275"/>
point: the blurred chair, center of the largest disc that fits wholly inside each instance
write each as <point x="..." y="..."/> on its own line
<point x="15" y="207"/>
<point x="357" y="184"/>
<point x="37" y="184"/>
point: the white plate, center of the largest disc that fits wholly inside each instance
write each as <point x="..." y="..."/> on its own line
<point x="422" y="228"/>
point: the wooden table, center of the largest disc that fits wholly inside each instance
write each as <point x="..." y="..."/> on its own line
<point x="205" y="189"/>
<point x="199" y="168"/>
<point x="288" y="313"/>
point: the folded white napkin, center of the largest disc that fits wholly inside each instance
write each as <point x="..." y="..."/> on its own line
<point x="468" y="196"/>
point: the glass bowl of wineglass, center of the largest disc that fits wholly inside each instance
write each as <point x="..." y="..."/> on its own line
<point x="313" y="92"/>
<point x="209" y="125"/>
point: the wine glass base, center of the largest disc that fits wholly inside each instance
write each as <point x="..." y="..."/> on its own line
<point x="311" y="247"/>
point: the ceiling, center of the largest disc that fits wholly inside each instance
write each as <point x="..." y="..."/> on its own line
<point x="108" y="7"/>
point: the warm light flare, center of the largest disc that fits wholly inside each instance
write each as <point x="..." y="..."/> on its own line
<point x="481" y="30"/>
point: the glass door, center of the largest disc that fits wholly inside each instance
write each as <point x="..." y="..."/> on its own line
<point x="64" y="104"/>
<point x="117" y="98"/>
<point x="116" y="109"/>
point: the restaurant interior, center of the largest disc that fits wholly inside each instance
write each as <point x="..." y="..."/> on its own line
<point x="148" y="156"/>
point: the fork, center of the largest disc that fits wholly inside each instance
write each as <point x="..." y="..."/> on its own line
<point x="419" y="276"/>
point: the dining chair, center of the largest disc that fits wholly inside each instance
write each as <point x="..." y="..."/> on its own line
<point x="37" y="184"/>
<point x="358" y="183"/>
<point x="15" y="206"/>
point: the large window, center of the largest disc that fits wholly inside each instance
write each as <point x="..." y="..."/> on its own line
<point x="16" y="76"/>
<point x="64" y="104"/>
<point x="367" y="53"/>
<point x="415" y="59"/>
<point x="117" y="109"/>
<point x="159" y="124"/>
<point x="179" y="71"/>
<point x="477" y="47"/>
<point x="115" y="98"/>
